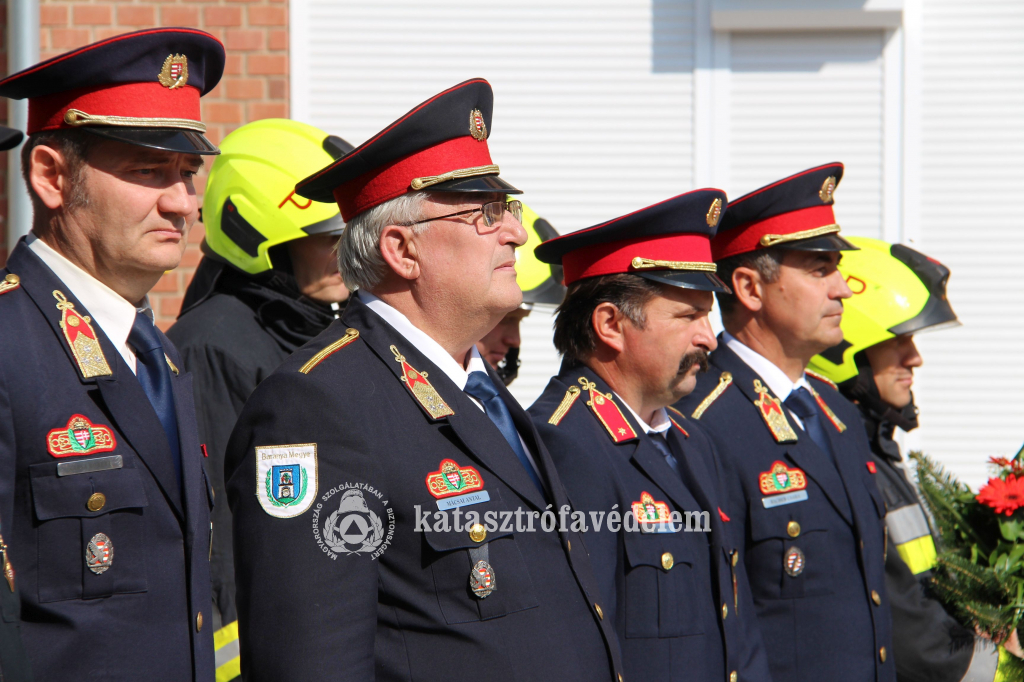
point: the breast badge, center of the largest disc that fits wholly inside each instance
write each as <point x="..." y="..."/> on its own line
<point x="99" y="554"/>
<point x="425" y="394"/>
<point x="286" y="478"/>
<point x="651" y="515"/>
<point x="782" y="485"/>
<point x="770" y="408"/>
<point x="608" y="413"/>
<point x="82" y="340"/>
<point x="481" y="580"/>
<point x="80" y="437"/>
<point x="456" y="486"/>
<point x="794" y="562"/>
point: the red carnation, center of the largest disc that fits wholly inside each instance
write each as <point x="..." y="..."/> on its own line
<point x="1003" y="496"/>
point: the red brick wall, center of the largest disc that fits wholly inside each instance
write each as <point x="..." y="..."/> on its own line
<point x="255" y="83"/>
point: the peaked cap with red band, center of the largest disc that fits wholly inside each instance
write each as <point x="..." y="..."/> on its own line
<point x="793" y="213"/>
<point x="668" y="242"/>
<point x="142" y="88"/>
<point x="439" y="146"/>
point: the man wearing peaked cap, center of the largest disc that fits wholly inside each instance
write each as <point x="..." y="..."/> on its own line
<point x="796" y="464"/>
<point x="386" y="463"/>
<point x="105" y="507"/>
<point x="633" y="332"/>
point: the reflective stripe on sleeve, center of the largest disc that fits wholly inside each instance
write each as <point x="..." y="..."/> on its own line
<point x="909" y="531"/>
<point x="226" y="653"/>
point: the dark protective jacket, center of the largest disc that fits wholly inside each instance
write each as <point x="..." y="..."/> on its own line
<point x="233" y="331"/>
<point x="680" y="603"/>
<point x="336" y="459"/>
<point x="82" y="457"/>
<point x="812" y="527"/>
<point x="929" y="644"/>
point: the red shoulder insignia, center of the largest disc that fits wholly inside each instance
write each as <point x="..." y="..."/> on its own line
<point x="81" y="338"/>
<point x="608" y="413"/>
<point x="823" y="379"/>
<point x="426" y="395"/>
<point x="771" y="411"/>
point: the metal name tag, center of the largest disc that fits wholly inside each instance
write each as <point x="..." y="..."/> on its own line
<point x="89" y="465"/>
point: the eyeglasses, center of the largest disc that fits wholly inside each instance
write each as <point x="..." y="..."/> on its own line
<point x="493" y="212"/>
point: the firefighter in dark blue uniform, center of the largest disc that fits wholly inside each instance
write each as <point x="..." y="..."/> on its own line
<point x="795" y="459"/>
<point x="381" y="479"/>
<point x="104" y="505"/>
<point x="633" y="332"/>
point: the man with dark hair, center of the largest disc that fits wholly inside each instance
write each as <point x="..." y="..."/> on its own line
<point x="799" y="481"/>
<point x="633" y="332"/>
<point x="370" y="460"/>
<point x="103" y="500"/>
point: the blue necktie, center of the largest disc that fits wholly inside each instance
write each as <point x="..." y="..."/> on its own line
<point x="659" y="442"/>
<point x="803" y="405"/>
<point x="482" y="388"/>
<point x="155" y="377"/>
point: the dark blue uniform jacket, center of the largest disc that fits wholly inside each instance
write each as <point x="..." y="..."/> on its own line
<point x="829" y="620"/>
<point x="690" y="617"/>
<point x="312" y="604"/>
<point x="138" y="619"/>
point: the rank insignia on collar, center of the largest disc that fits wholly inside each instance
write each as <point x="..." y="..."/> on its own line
<point x="822" y="378"/>
<point x="563" y="408"/>
<point x="608" y="413"/>
<point x="451" y="479"/>
<point x="724" y="382"/>
<point x="781" y="479"/>
<point x="653" y="516"/>
<point x="425" y="394"/>
<point x="174" y="73"/>
<point x="770" y="408"/>
<point x="9" y="283"/>
<point x="80" y="437"/>
<point x="81" y="337"/>
<point x="675" y="423"/>
<point x="840" y="426"/>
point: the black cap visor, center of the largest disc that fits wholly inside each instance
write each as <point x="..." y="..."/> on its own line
<point x="164" y="139"/>
<point x="936" y="314"/>
<point x="688" y="279"/>
<point x="332" y="226"/>
<point x="482" y="183"/>
<point x="9" y="138"/>
<point x="826" y="242"/>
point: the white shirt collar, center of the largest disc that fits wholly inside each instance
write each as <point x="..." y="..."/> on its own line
<point x="423" y="343"/>
<point x="112" y="312"/>
<point x="659" y="422"/>
<point x="779" y="384"/>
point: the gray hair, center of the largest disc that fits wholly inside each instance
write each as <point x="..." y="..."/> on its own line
<point x="765" y="262"/>
<point x="359" y="259"/>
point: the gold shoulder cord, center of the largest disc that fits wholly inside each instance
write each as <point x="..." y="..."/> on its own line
<point x="350" y="336"/>
<point x="724" y="382"/>
<point x="563" y="408"/>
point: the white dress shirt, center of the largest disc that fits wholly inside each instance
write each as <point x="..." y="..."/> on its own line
<point x="114" y="314"/>
<point x="777" y="380"/>
<point x="434" y="352"/>
<point x="660" y="421"/>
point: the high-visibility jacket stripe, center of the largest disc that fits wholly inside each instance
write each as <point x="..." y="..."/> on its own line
<point x="226" y="653"/>
<point x="907" y="523"/>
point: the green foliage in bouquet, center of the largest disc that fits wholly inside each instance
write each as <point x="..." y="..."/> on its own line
<point x="979" y="572"/>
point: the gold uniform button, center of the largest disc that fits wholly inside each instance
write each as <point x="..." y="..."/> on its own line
<point x="199" y="621"/>
<point x="668" y="561"/>
<point x="477" y="533"/>
<point x="793" y="528"/>
<point x="96" y="502"/>
<point x="882" y="654"/>
<point x="735" y="558"/>
<point x="733" y="676"/>
<point x="12" y="279"/>
<point x="877" y="598"/>
<point x="600" y="613"/>
<point x="568" y="545"/>
<point x="725" y="611"/>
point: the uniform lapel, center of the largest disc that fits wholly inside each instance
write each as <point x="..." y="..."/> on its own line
<point x="469" y="423"/>
<point x="804" y="453"/>
<point x="188" y="441"/>
<point x="127" y="404"/>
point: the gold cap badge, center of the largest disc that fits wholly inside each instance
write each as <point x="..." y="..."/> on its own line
<point x="174" y="72"/>
<point x="828" y="188"/>
<point x="714" y="213"/>
<point x="477" y="127"/>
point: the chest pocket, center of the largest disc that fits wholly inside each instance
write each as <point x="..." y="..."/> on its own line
<point x="661" y="597"/>
<point x="70" y="515"/>
<point x="789" y="557"/>
<point x="447" y="553"/>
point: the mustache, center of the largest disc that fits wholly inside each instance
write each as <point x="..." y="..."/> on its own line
<point x="697" y="357"/>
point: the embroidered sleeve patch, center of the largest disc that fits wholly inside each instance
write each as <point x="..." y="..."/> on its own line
<point x="425" y="394"/>
<point x="80" y="437"/>
<point x="608" y="413"/>
<point x="770" y="408"/>
<point x="781" y="479"/>
<point x="286" y="478"/>
<point x="81" y="337"/>
<point x="723" y="383"/>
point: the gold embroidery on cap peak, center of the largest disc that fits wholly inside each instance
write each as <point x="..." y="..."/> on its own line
<point x="174" y="72"/>
<point x="640" y="263"/>
<point x="773" y="239"/>
<point x="714" y="213"/>
<point x="420" y="183"/>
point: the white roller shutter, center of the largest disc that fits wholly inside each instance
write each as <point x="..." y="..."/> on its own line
<point x="593" y="99"/>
